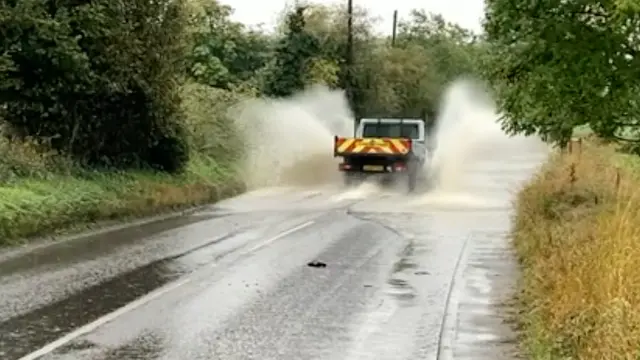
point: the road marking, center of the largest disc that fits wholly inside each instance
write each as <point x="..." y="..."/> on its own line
<point x="52" y="346"/>
<point x="280" y="236"/>
<point x="447" y="336"/>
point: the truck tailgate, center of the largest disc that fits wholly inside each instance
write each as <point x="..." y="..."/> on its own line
<point x="345" y="146"/>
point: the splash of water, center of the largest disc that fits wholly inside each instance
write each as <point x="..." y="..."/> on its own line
<point x="468" y="137"/>
<point x="289" y="141"/>
<point x="464" y="123"/>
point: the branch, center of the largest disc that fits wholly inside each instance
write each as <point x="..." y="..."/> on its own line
<point x="620" y="138"/>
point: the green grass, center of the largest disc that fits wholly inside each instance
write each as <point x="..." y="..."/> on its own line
<point x="42" y="193"/>
<point x="32" y="206"/>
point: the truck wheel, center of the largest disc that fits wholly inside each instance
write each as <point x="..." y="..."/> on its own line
<point x="412" y="182"/>
<point x="350" y="179"/>
<point x="412" y="176"/>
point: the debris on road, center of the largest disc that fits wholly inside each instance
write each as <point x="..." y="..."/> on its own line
<point x="317" y="264"/>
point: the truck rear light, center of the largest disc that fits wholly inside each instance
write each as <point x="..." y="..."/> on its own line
<point x="344" y="166"/>
<point x="399" y="167"/>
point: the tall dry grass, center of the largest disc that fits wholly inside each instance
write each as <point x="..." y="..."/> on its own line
<point x="577" y="233"/>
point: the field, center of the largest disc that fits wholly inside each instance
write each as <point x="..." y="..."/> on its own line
<point x="43" y="193"/>
<point x="576" y="234"/>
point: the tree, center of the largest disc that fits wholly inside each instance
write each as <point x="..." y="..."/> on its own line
<point x="104" y="81"/>
<point x="225" y="53"/>
<point x="322" y="71"/>
<point x="328" y="24"/>
<point x="97" y="80"/>
<point x="405" y="80"/>
<point x="559" y="64"/>
<point x="448" y="45"/>
<point x="292" y="58"/>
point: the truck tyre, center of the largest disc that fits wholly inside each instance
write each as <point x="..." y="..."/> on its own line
<point x="412" y="182"/>
<point x="350" y="178"/>
<point x="412" y="175"/>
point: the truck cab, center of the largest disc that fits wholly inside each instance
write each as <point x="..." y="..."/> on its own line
<point x="413" y="129"/>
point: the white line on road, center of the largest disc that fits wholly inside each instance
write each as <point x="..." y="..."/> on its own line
<point x="103" y="320"/>
<point x="52" y="346"/>
<point x="446" y="339"/>
<point x="281" y="235"/>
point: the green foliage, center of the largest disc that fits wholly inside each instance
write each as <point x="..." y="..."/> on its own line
<point x="293" y="56"/>
<point x="405" y="80"/>
<point x="556" y="65"/>
<point x="322" y="71"/>
<point x="450" y="46"/>
<point x="627" y="6"/>
<point x="211" y="132"/>
<point x="96" y="80"/>
<point x="225" y="53"/>
<point x="33" y="206"/>
<point x="100" y="81"/>
<point x="86" y="86"/>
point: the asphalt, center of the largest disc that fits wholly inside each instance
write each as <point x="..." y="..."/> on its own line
<point x="406" y="277"/>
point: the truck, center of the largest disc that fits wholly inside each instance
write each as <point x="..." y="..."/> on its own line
<point x="390" y="148"/>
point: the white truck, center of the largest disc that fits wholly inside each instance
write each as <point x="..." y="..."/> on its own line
<point x="389" y="147"/>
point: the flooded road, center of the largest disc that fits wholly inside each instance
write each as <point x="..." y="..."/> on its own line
<point x="406" y="277"/>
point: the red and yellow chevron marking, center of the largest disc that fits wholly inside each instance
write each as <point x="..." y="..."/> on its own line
<point x="372" y="146"/>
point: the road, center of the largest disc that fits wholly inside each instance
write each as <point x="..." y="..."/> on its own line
<point x="406" y="277"/>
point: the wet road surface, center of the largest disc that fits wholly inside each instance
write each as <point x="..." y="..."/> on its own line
<point x="406" y="277"/>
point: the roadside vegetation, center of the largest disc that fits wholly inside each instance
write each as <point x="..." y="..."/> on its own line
<point x="556" y="67"/>
<point x="576" y="232"/>
<point x="111" y="110"/>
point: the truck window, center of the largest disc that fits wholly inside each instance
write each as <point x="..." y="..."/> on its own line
<point x="411" y="131"/>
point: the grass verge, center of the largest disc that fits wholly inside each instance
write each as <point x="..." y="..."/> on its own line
<point x="33" y="206"/>
<point x="577" y="234"/>
<point x="42" y="193"/>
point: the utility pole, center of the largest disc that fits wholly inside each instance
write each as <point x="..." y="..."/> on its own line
<point x="349" y="58"/>
<point x="395" y="26"/>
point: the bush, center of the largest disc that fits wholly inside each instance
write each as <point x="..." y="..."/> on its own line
<point x="43" y="191"/>
<point x="98" y="80"/>
<point x="209" y="130"/>
<point x="577" y="234"/>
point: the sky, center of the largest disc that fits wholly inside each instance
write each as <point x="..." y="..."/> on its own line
<point x="467" y="13"/>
